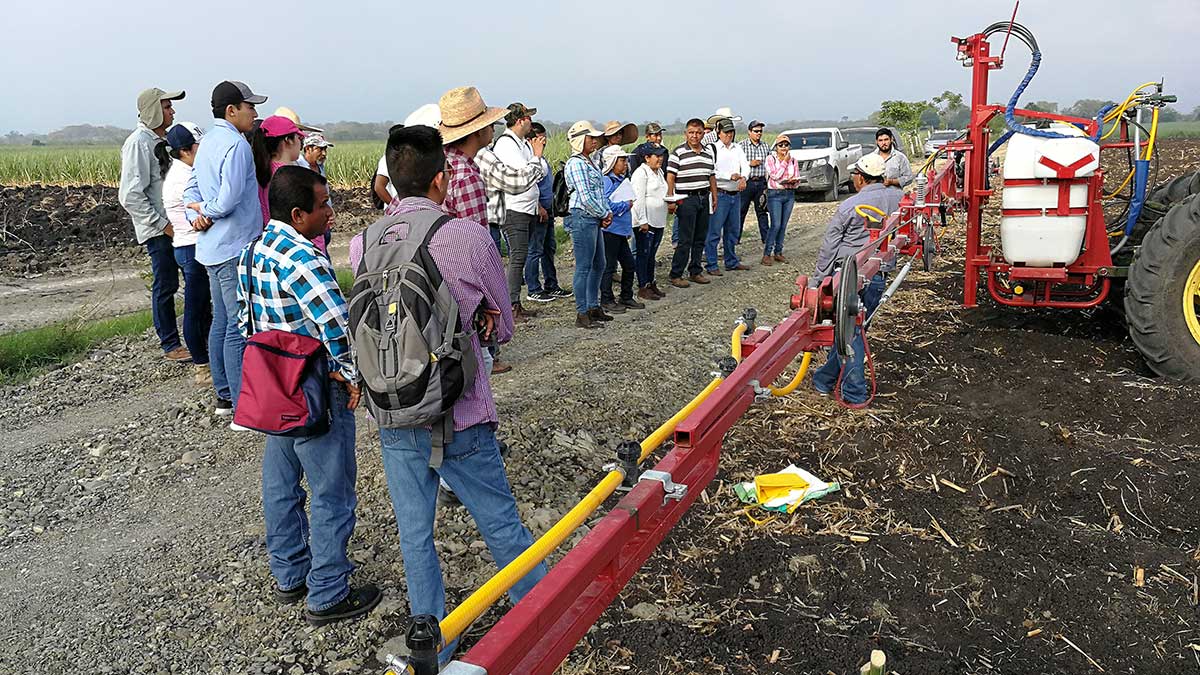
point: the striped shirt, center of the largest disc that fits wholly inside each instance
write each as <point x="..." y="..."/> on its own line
<point x="292" y="287"/>
<point x="758" y="151"/>
<point x="692" y="169"/>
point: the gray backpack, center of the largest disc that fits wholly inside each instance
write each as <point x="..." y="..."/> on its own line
<point x="412" y="353"/>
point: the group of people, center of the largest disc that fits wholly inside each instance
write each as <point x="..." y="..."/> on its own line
<point x="244" y="212"/>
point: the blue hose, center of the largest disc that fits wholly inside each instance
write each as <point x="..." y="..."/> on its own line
<point x="1100" y="121"/>
<point x="1010" y="119"/>
<point x="999" y="142"/>
<point x="1141" y="172"/>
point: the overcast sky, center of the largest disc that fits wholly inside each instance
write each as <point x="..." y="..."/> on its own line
<point x="71" y="62"/>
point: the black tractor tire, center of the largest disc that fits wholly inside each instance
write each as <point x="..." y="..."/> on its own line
<point x="1154" y="293"/>
<point x="831" y="194"/>
<point x="1159" y="200"/>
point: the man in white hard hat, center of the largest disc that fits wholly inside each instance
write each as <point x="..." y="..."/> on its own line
<point x="845" y="235"/>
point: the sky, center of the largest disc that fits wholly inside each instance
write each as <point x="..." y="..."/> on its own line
<point x="72" y="62"/>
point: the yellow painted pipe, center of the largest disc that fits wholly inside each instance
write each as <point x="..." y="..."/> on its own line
<point x="791" y="386"/>
<point x="735" y="342"/>
<point x="1153" y="136"/>
<point x="456" y="622"/>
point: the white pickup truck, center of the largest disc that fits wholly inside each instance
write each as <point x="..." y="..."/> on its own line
<point x="825" y="158"/>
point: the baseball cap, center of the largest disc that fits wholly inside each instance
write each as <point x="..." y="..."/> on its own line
<point x="725" y="124"/>
<point x="180" y="137"/>
<point x="871" y="166"/>
<point x="276" y="126"/>
<point x="518" y="110"/>
<point x="755" y="124"/>
<point x="316" y="140"/>
<point x="232" y="92"/>
<point x="653" y="128"/>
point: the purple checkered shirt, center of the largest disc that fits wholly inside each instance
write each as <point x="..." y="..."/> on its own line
<point x="469" y="262"/>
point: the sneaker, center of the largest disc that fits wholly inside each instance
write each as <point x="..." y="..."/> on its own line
<point x="499" y="367"/>
<point x="585" y="321"/>
<point x="561" y="293"/>
<point x="700" y="279"/>
<point x="715" y="273"/>
<point x="820" y="390"/>
<point x="291" y="597"/>
<point x="598" y="314"/>
<point x="202" y="376"/>
<point x="541" y="296"/>
<point x="360" y="601"/>
<point x="234" y="426"/>
<point x="612" y="307"/>
<point x="178" y="355"/>
<point x="680" y="283"/>
<point x="631" y="304"/>
<point x="223" y="408"/>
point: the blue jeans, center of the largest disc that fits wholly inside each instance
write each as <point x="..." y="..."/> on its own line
<point x="472" y="466"/>
<point x="225" y="340"/>
<point x="542" y="247"/>
<point x="197" y="304"/>
<point x="303" y="551"/>
<point x="589" y="259"/>
<point x="854" y="383"/>
<point x="162" y="290"/>
<point x="779" y="206"/>
<point x="749" y="196"/>
<point x="495" y="232"/>
<point x="723" y="228"/>
<point x="647" y="250"/>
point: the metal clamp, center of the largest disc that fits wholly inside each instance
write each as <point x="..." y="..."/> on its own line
<point x="760" y="394"/>
<point x="671" y="489"/>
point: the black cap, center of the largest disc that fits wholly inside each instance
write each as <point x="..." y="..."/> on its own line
<point x="232" y="92"/>
<point x="755" y="124"/>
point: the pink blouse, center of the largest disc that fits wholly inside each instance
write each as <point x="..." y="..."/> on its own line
<point x="779" y="171"/>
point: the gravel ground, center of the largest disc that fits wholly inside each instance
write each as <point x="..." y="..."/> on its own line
<point x="130" y="524"/>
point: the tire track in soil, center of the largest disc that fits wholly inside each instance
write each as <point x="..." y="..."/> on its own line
<point x="147" y="560"/>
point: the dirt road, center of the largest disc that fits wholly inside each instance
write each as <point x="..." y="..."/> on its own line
<point x="130" y="524"/>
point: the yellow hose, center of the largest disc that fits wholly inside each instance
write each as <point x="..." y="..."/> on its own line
<point x="861" y="210"/>
<point x="1153" y="135"/>
<point x="661" y="434"/>
<point x="457" y="621"/>
<point x="791" y="386"/>
<point x="1122" y="187"/>
<point x="735" y="342"/>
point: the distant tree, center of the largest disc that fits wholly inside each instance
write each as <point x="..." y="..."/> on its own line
<point x="951" y="109"/>
<point x="903" y="115"/>
<point x="1196" y="113"/>
<point x="1043" y="106"/>
<point x="844" y="119"/>
<point x="37" y="142"/>
<point x="930" y="118"/>
<point x="1086" y="107"/>
<point x="1169" y="114"/>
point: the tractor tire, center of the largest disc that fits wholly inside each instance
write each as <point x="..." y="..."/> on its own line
<point x="1159" y="200"/>
<point x="1162" y="294"/>
<point x="831" y="194"/>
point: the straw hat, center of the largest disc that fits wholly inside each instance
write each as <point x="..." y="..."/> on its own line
<point x="284" y="111"/>
<point x="629" y="132"/>
<point x="727" y="112"/>
<point x="464" y="113"/>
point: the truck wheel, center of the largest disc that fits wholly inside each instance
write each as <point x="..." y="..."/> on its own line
<point x="831" y="194"/>
<point x="1162" y="294"/>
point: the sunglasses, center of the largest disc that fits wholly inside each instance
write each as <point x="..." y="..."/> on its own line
<point x="783" y="145"/>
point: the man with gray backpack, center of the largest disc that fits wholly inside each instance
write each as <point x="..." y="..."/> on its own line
<point x="427" y="288"/>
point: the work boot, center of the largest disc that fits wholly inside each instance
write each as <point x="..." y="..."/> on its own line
<point x="499" y="367"/>
<point x="657" y="291"/>
<point x="779" y="258"/>
<point x="291" y="596"/>
<point x="715" y="273"/>
<point x="680" y="283"/>
<point x="178" y="355"/>
<point x="699" y="279"/>
<point x="647" y="293"/>
<point x="520" y="313"/>
<point x="632" y="304"/>
<point x="740" y="268"/>
<point x="612" y="307"/>
<point x="360" y="601"/>
<point x="767" y="261"/>
<point x="585" y="321"/>
<point x="202" y="376"/>
<point x="598" y="314"/>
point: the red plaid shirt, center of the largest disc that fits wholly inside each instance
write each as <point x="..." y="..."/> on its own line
<point x="466" y="196"/>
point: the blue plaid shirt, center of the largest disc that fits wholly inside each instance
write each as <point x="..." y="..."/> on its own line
<point x="586" y="184"/>
<point x="291" y="287"/>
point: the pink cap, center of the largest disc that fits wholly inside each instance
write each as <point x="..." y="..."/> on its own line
<point x="276" y="126"/>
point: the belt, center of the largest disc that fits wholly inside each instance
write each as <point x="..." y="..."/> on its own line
<point x="729" y="192"/>
<point x="693" y="193"/>
<point x="757" y="180"/>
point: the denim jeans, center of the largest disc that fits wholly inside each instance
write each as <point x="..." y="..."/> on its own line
<point x="495" y="232"/>
<point x="854" y="383"/>
<point x="472" y="466"/>
<point x="225" y="340"/>
<point x="542" y="247"/>
<point x="749" y="196"/>
<point x="616" y="252"/>
<point x="516" y="232"/>
<point x="647" y="250"/>
<point x="197" y="304"/>
<point x="589" y="259"/>
<point x="303" y="550"/>
<point x="692" y="218"/>
<point x="779" y="205"/>
<point x="723" y="229"/>
<point x="162" y="290"/>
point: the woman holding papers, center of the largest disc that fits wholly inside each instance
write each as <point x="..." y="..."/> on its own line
<point x="616" y="236"/>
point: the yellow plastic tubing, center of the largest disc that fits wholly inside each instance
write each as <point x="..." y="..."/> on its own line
<point x="791" y="386"/>
<point x="457" y="621"/>
<point x="735" y="342"/>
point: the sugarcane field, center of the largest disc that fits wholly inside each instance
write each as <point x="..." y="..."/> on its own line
<point x="403" y="395"/>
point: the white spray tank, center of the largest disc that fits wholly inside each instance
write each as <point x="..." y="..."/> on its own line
<point x="1044" y="204"/>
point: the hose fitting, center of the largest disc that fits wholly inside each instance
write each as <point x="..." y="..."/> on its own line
<point x="628" y="454"/>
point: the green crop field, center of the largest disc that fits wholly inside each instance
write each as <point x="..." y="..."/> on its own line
<point x="351" y="164"/>
<point x="1179" y="129"/>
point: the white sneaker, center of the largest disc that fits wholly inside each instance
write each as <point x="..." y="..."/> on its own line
<point x="234" y="426"/>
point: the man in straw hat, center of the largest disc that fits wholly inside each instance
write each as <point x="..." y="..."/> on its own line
<point x="144" y="164"/>
<point x="845" y="235"/>
<point x="588" y="217"/>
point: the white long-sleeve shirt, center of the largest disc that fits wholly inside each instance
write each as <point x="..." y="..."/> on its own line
<point x="731" y="159"/>
<point x="172" y="191"/>
<point x="649" y="189"/>
<point x="517" y="153"/>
